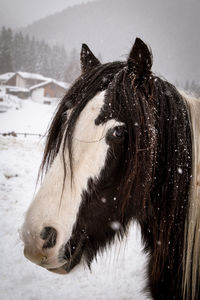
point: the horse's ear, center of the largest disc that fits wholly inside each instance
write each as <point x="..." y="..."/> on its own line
<point x="88" y="60"/>
<point x="140" y="59"/>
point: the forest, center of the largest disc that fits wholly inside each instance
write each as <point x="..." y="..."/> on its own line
<point x="20" y="52"/>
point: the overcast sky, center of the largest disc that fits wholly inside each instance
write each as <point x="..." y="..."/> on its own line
<point x="19" y="13"/>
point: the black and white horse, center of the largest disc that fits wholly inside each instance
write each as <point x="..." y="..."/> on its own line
<point x="123" y="145"/>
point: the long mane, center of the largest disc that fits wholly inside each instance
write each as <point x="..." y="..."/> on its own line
<point x="81" y="92"/>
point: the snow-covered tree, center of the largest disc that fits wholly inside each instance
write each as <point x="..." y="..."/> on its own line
<point x="73" y="67"/>
<point x="6" y="38"/>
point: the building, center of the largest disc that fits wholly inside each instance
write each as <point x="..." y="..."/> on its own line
<point x="39" y="88"/>
<point x="25" y="80"/>
<point x="49" y="89"/>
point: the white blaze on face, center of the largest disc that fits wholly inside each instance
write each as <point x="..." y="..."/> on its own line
<point x="48" y="209"/>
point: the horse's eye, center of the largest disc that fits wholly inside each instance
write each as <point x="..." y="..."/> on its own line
<point x="116" y="135"/>
<point x="118" y="132"/>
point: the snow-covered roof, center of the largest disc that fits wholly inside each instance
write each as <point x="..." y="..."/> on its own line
<point x="62" y="84"/>
<point x="27" y="75"/>
<point x="6" y="76"/>
<point x="16" y="89"/>
<point x="65" y="85"/>
<point x="34" y="76"/>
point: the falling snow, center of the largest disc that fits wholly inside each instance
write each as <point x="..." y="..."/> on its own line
<point x="103" y="200"/>
<point x="180" y="171"/>
<point x="115" y="226"/>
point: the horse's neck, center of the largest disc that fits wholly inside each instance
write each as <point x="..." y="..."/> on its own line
<point x="192" y="240"/>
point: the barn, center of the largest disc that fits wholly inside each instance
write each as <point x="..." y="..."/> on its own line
<point x="48" y="89"/>
<point x="25" y="80"/>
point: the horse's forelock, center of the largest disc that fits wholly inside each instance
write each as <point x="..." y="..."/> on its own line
<point x="134" y="106"/>
<point x="81" y="92"/>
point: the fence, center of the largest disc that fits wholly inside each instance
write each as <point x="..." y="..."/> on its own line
<point x="25" y="134"/>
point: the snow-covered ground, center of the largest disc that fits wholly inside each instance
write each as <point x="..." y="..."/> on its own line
<point x="117" y="275"/>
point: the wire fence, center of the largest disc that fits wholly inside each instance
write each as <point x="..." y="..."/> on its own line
<point x="25" y="134"/>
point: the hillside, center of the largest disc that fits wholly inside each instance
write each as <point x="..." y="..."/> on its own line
<point x="20" y="13"/>
<point x="110" y="27"/>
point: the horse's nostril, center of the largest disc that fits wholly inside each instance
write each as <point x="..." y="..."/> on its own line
<point x="49" y="234"/>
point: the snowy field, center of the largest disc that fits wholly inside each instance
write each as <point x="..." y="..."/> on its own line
<point x="117" y="275"/>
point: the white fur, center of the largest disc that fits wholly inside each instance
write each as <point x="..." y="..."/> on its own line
<point x="48" y="208"/>
<point x="192" y="227"/>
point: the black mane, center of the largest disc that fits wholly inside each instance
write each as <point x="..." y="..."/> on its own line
<point x="80" y="93"/>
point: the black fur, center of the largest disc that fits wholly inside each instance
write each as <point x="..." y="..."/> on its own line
<point x="88" y="60"/>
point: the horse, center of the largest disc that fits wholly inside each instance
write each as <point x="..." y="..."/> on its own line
<point x="123" y="146"/>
